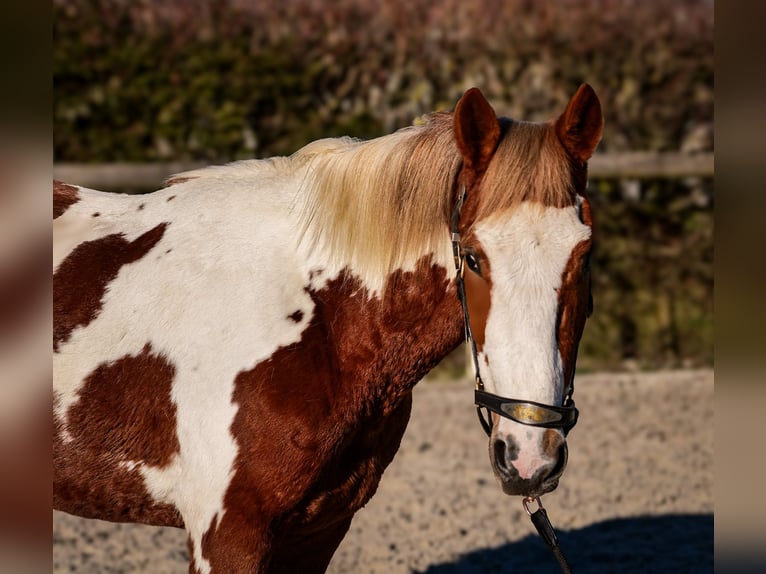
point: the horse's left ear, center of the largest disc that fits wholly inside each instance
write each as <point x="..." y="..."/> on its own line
<point x="579" y="127"/>
<point x="477" y="130"/>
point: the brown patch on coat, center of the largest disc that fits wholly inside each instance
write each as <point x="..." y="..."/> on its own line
<point x="124" y="414"/>
<point x="64" y="195"/>
<point x="82" y="278"/>
<point x="478" y="295"/>
<point x="586" y="214"/>
<point x="552" y="442"/>
<point x="295" y="552"/>
<point x="574" y="301"/>
<point x="320" y="420"/>
<point x="296" y="316"/>
<point x="125" y="408"/>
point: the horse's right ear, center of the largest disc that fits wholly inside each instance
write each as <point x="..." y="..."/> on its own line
<point x="477" y="130"/>
<point x="579" y="127"/>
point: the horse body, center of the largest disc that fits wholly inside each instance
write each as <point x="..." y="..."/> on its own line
<point x="234" y="354"/>
<point x="223" y="360"/>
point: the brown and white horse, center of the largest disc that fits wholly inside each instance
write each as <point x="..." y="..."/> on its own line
<point x="234" y="354"/>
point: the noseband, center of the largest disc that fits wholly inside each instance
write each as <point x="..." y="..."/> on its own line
<point x="524" y="412"/>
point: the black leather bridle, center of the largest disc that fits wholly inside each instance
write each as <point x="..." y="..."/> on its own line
<point x="521" y="411"/>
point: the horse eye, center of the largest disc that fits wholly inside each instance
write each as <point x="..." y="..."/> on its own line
<point x="473" y="263"/>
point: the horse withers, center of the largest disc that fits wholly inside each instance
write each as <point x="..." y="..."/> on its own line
<point x="234" y="354"/>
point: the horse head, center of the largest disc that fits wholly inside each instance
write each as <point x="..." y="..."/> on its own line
<point x="523" y="232"/>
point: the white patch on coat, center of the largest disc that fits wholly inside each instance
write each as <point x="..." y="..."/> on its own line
<point x="527" y="250"/>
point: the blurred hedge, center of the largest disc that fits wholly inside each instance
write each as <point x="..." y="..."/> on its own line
<point x="218" y="80"/>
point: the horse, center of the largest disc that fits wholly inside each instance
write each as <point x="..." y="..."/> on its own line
<point x="234" y="354"/>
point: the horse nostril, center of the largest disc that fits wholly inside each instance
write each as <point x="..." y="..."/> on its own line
<point x="500" y="463"/>
<point x="504" y="453"/>
<point x="561" y="461"/>
<point x="556" y="468"/>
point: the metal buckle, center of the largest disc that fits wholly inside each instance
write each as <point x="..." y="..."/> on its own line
<point x="528" y="500"/>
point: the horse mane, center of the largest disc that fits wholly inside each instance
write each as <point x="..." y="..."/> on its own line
<point x="381" y="204"/>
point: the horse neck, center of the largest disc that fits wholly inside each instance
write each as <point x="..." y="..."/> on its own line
<point x="387" y="341"/>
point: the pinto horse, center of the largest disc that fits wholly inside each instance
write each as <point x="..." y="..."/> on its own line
<point x="234" y="354"/>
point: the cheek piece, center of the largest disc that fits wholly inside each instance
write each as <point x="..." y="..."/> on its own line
<point x="524" y="412"/>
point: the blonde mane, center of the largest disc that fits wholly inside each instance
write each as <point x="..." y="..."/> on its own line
<point x="381" y="204"/>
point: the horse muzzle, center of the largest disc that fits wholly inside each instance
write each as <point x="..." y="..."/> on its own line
<point x="532" y="468"/>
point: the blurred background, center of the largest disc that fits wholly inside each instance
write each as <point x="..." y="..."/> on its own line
<point x="183" y="82"/>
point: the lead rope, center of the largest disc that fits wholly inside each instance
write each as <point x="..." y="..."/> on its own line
<point x="544" y="528"/>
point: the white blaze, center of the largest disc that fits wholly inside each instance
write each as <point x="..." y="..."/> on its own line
<point x="527" y="252"/>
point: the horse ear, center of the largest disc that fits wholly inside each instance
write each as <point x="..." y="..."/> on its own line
<point x="579" y="127"/>
<point x="477" y="130"/>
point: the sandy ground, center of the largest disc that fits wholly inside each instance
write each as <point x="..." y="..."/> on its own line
<point x="637" y="495"/>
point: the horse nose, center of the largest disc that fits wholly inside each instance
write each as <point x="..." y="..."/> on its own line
<point x="529" y="471"/>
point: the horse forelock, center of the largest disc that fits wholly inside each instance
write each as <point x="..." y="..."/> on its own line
<point x="529" y="164"/>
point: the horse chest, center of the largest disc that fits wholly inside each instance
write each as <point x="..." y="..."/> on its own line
<point x="317" y="458"/>
<point x="352" y="477"/>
